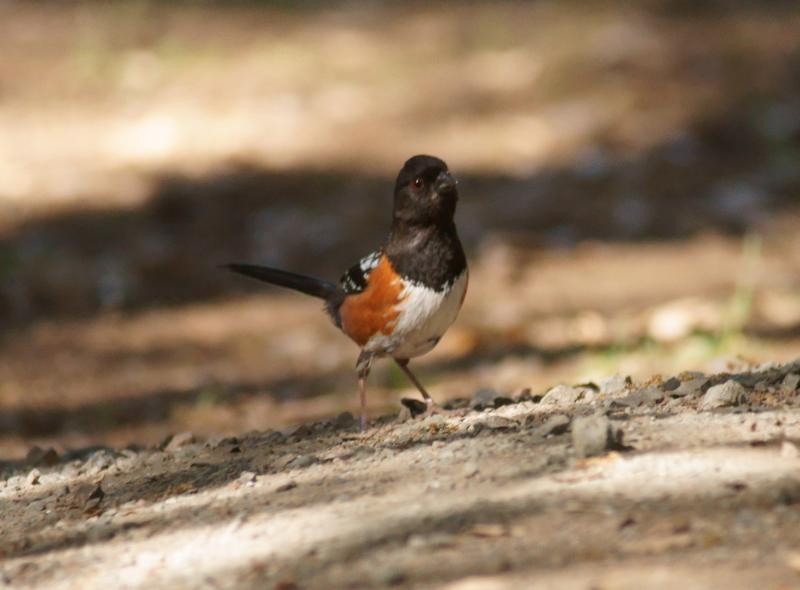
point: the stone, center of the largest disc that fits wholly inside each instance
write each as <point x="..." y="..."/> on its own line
<point x="415" y="406"/>
<point x="693" y="386"/>
<point x="302" y="461"/>
<point x="555" y="425"/>
<point x="289" y="485"/>
<point x="592" y="435"/>
<point x="641" y="397"/>
<point x="730" y="393"/>
<point x="247" y="477"/>
<point x="298" y="431"/>
<point x="791" y="382"/>
<point x="671" y="384"/>
<point x="179" y="440"/>
<point x="483" y="398"/>
<point x="614" y="385"/>
<point x="563" y="395"/>
<point x="33" y="477"/>
<point x="45" y="457"/>
<point x="495" y="422"/>
<point x="345" y="421"/>
<point x="489" y="398"/>
<point x="99" y="461"/>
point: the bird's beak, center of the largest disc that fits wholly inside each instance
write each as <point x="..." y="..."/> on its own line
<point x="445" y="183"/>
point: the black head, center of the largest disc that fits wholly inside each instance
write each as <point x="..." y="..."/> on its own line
<point x="425" y="192"/>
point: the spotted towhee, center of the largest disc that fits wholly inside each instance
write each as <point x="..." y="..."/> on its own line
<point x="399" y="300"/>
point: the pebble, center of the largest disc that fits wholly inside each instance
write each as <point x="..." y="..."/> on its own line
<point x="730" y="393"/>
<point x="289" y="485"/>
<point x="614" y="385"/>
<point x="38" y="456"/>
<point x="483" y="398"/>
<point x="671" y="384"/>
<point x="179" y="440"/>
<point x="414" y="406"/>
<point x="344" y="421"/>
<point x="302" y="461"/>
<point x="563" y="395"/>
<point x="248" y="477"/>
<point x="641" y="397"/>
<point x="33" y="477"/>
<point x="555" y="425"/>
<point x="790" y="382"/>
<point x="692" y="386"/>
<point x="489" y="398"/>
<point x="592" y="435"/>
<point x="495" y="422"/>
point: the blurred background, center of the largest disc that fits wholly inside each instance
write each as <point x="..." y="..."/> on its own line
<point x="629" y="178"/>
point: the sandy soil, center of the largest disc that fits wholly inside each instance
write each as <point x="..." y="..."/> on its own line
<point x="683" y="488"/>
<point x="629" y="188"/>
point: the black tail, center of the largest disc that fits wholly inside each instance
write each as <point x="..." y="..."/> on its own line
<point x="308" y="285"/>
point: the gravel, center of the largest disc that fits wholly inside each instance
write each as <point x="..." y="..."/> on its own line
<point x="692" y="386"/>
<point x="420" y="504"/>
<point x="592" y="435"/>
<point x="563" y="395"/>
<point x="730" y="393"/>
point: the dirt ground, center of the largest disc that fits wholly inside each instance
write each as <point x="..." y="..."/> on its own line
<point x="629" y="204"/>
<point x="681" y="488"/>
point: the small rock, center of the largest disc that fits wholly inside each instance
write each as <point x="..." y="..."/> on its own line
<point x="790" y="382"/>
<point x="179" y="440"/>
<point x="45" y="457"/>
<point x="525" y="395"/>
<point x="641" y="397"/>
<point x="555" y="425"/>
<point x="248" y="477"/>
<point x="302" y="461"/>
<point x="747" y="379"/>
<point x="221" y="441"/>
<point x="33" y="477"/>
<point x="415" y="406"/>
<point x="404" y="415"/>
<point x="495" y="422"/>
<point x="285" y="460"/>
<point x="692" y="386"/>
<point x="730" y="393"/>
<point x="483" y="398"/>
<point x="563" y="395"/>
<point x="289" y="485"/>
<point x="614" y="385"/>
<point x="671" y="384"/>
<point x="94" y="500"/>
<point x="592" y="435"/>
<point x="345" y="421"/>
<point x="298" y="431"/>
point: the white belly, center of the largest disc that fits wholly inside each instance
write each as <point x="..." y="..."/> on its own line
<point x="424" y="317"/>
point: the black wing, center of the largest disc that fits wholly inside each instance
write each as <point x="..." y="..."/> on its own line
<point x="355" y="279"/>
<point x="352" y="282"/>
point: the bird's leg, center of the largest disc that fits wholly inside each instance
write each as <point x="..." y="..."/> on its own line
<point x="433" y="407"/>
<point x="363" y="365"/>
<point x="403" y="364"/>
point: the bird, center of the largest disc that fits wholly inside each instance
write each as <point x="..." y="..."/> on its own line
<point x="399" y="300"/>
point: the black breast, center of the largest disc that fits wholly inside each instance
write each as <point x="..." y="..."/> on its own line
<point x="430" y="256"/>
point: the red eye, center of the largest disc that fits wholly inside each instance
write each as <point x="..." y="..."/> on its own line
<point x="418" y="182"/>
